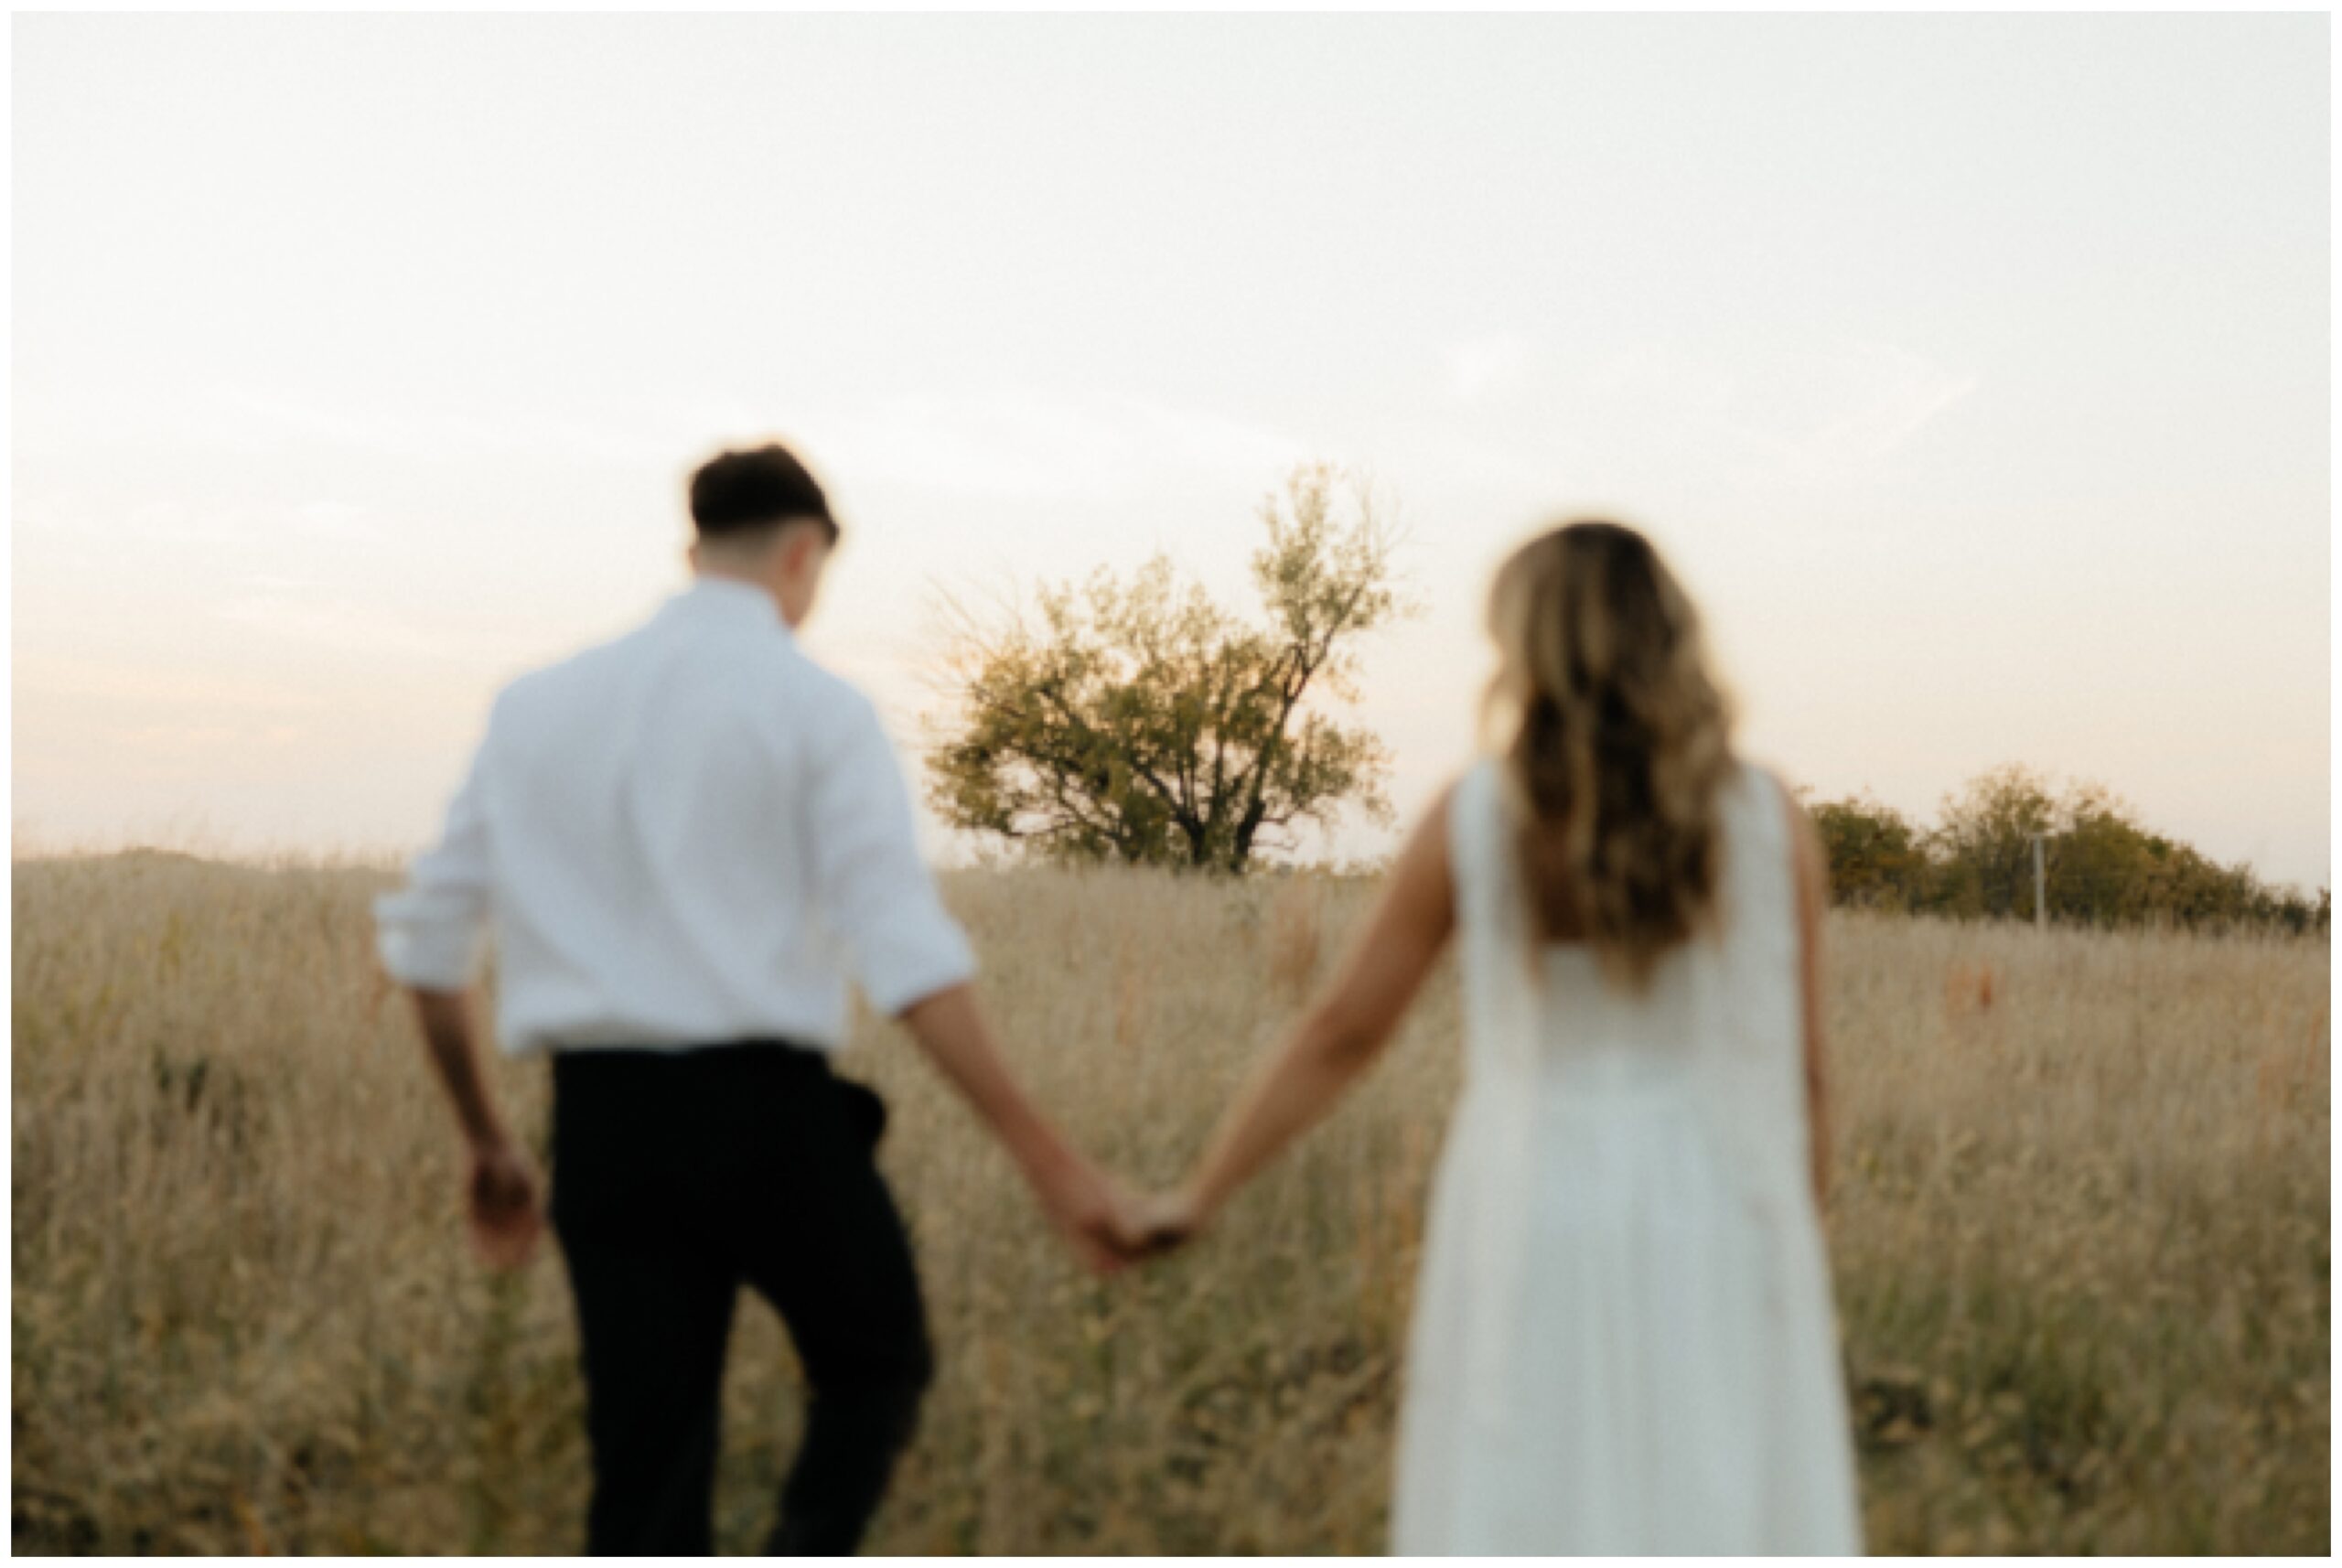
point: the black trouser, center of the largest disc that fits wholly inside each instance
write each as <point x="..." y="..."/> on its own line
<point x="677" y="1178"/>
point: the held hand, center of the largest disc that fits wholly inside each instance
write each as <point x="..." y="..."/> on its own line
<point x="501" y="1194"/>
<point x="1089" y="1209"/>
<point x="1159" y="1223"/>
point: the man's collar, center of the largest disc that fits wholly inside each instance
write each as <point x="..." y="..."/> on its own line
<point x="711" y="594"/>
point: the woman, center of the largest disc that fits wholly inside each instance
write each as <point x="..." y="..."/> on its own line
<point x="1624" y="1339"/>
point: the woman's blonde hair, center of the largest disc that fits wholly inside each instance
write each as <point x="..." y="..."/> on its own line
<point x="1617" y="739"/>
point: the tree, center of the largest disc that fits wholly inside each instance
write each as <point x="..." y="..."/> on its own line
<point x="2104" y="861"/>
<point x="1877" y="859"/>
<point x="1139" y="722"/>
<point x="1985" y="841"/>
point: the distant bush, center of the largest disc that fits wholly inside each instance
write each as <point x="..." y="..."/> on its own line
<point x="2103" y="867"/>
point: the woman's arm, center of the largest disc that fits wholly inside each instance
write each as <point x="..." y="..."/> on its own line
<point x="1812" y="900"/>
<point x="1344" y="1029"/>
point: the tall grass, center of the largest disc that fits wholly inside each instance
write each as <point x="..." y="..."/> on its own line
<point x="2080" y="1235"/>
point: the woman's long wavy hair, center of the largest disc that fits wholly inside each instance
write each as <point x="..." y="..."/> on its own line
<point x="1617" y="739"/>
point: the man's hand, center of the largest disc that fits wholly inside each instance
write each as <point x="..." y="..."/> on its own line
<point x="501" y="1193"/>
<point x="1089" y="1209"/>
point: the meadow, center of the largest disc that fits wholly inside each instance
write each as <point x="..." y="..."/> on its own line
<point x="2080" y="1229"/>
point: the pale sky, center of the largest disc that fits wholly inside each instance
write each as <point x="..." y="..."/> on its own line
<point x="1973" y="371"/>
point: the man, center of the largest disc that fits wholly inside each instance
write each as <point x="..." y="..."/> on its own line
<point x="683" y="840"/>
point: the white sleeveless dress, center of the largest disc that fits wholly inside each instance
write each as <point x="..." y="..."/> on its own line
<point x="1624" y="1339"/>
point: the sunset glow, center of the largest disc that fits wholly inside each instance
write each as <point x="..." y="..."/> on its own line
<point x="1973" y="370"/>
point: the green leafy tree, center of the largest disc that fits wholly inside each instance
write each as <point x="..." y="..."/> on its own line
<point x="2103" y="861"/>
<point x="1878" y="860"/>
<point x="1986" y="841"/>
<point x="1139" y="721"/>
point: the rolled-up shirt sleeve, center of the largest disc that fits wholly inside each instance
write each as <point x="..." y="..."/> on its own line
<point x="430" y="933"/>
<point x="876" y="895"/>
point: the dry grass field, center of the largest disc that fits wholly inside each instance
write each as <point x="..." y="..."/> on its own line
<point x="2082" y="1240"/>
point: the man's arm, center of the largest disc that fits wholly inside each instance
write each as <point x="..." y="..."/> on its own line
<point x="450" y="1039"/>
<point x="1082" y="1205"/>
<point x="500" y="1191"/>
<point x="914" y="964"/>
<point x="429" y="934"/>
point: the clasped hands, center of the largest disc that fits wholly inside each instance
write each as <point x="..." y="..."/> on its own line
<point x="1108" y="1225"/>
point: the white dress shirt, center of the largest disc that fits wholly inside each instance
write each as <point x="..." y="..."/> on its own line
<point x="691" y="834"/>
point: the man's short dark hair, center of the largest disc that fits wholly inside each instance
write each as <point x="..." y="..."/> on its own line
<point x="736" y="492"/>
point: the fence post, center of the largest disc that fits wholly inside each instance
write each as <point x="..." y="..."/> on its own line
<point x="2040" y="889"/>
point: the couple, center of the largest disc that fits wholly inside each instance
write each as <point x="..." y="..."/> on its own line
<point x="688" y="838"/>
